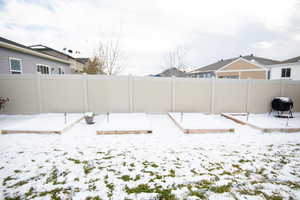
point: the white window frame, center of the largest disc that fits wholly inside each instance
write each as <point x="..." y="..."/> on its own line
<point x="286" y="68"/>
<point x="10" y="69"/>
<point x="49" y="68"/>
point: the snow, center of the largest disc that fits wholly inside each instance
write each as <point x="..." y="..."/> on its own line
<point x="201" y="121"/>
<point x="270" y="121"/>
<point x="81" y="164"/>
<point x="38" y="122"/>
<point x="122" y="122"/>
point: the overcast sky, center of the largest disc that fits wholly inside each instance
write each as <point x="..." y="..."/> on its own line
<point x="209" y="29"/>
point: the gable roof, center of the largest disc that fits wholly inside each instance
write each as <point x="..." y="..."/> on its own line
<point x="218" y="65"/>
<point x="292" y="60"/>
<point x="22" y="48"/>
<point x="171" y="72"/>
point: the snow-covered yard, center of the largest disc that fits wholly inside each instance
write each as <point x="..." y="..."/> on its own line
<point x="167" y="164"/>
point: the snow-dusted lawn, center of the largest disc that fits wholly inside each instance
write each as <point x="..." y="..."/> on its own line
<point x="167" y="164"/>
<point x="38" y="122"/>
<point x="122" y="122"/>
<point x="271" y="121"/>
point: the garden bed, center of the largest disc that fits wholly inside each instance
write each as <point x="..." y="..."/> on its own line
<point x="40" y="123"/>
<point x="266" y="122"/>
<point x="123" y="123"/>
<point x="201" y="123"/>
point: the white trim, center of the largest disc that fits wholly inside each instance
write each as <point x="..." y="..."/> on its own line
<point x="242" y="59"/>
<point x="48" y="66"/>
<point x="32" y="52"/>
<point x="244" y="70"/>
<point x="21" y="68"/>
<point x="202" y="72"/>
<point x="283" y="65"/>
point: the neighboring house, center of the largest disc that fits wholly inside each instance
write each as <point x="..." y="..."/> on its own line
<point x="171" y="72"/>
<point x="243" y="67"/>
<point x="77" y="66"/>
<point x="287" y="69"/>
<point x="16" y="58"/>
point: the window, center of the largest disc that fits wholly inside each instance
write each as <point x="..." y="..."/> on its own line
<point x="286" y="72"/>
<point x="43" y="69"/>
<point x="60" y="70"/>
<point x="15" y="65"/>
<point x="229" y="77"/>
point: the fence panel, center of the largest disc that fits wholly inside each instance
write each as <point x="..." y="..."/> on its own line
<point x="62" y="93"/>
<point x="22" y="92"/>
<point x="292" y="89"/>
<point x="230" y="95"/>
<point x="108" y="94"/>
<point x="192" y="95"/>
<point x="261" y="94"/>
<point x="152" y="94"/>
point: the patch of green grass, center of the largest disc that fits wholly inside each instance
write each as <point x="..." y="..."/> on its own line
<point x="92" y="187"/>
<point x="18" y="184"/>
<point x="88" y="169"/>
<point x="12" y="198"/>
<point x="9" y="178"/>
<point x="55" y="193"/>
<point x="154" y="165"/>
<point x="108" y="157"/>
<point x="137" y="177"/>
<point x="172" y="173"/>
<point x="74" y="160"/>
<point x="53" y="176"/>
<point x="93" y="198"/>
<point x="244" y="161"/>
<point x="198" y="194"/>
<point x="132" y="165"/>
<point x="221" y="189"/>
<point x="194" y="171"/>
<point x="163" y="194"/>
<point x="125" y="178"/>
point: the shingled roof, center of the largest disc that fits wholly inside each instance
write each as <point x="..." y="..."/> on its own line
<point x="292" y="60"/>
<point x="217" y="65"/>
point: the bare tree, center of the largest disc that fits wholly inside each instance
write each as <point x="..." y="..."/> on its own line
<point x="176" y="60"/>
<point x="110" y="57"/>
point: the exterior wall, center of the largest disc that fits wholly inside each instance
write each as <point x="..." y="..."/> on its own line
<point x="220" y="74"/>
<point x="276" y="71"/>
<point x="28" y="62"/>
<point x="35" y="93"/>
<point x="254" y="75"/>
<point x="240" y="64"/>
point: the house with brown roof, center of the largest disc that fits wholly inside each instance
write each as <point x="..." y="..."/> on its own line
<point x="242" y="67"/>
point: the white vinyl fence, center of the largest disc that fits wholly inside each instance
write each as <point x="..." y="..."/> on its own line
<point x="35" y="93"/>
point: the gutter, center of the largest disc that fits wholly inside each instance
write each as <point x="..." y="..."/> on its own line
<point x="32" y="52"/>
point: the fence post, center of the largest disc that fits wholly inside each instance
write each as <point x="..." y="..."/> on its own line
<point x="173" y="94"/>
<point x="85" y="92"/>
<point x="38" y="92"/>
<point x="248" y="95"/>
<point x="130" y="93"/>
<point x="212" y="95"/>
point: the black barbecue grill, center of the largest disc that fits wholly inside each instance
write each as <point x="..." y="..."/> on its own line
<point x="281" y="105"/>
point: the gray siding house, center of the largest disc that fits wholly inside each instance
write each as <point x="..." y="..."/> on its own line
<point x="16" y="58"/>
